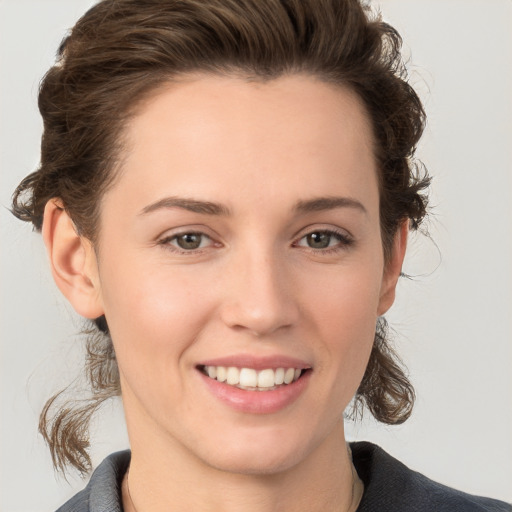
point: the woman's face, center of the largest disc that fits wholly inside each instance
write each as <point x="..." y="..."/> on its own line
<point x="242" y="240"/>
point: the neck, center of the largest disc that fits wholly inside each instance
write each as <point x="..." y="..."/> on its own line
<point x="163" y="476"/>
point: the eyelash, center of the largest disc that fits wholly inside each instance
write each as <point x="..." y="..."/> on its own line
<point x="167" y="243"/>
<point x="344" y="242"/>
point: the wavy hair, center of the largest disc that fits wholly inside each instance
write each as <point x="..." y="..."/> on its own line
<point x="121" y="51"/>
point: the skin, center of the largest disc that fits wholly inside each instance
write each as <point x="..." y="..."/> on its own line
<point x="255" y="286"/>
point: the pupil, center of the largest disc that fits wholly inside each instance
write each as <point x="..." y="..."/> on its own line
<point x="319" y="240"/>
<point x="189" y="241"/>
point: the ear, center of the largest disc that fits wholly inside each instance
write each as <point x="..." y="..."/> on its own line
<point x="393" y="268"/>
<point x="72" y="260"/>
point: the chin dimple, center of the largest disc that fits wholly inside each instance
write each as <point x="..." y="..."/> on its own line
<point x="251" y="379"/>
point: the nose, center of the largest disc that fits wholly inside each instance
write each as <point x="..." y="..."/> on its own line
<point x="259" y="295"/>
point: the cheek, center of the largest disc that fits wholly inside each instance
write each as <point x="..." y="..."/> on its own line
<point x="153" y="317"/>
<point x="346" y="314"/>
<point x="346" y="298"/>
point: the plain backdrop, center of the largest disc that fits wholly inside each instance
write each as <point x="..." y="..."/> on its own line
<point x="452" y="320"/>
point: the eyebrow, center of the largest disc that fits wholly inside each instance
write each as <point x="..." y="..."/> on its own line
<point x="209" y="208"/>
<point x="328" y="203"/>
<point x="192" y="205"/>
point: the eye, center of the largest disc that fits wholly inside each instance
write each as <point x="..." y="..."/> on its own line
<point x="185" y="242"/>
<point x="319" y="240"/>
<point x="324" y="239"/>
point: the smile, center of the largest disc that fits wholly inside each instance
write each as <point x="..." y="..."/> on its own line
<point x="250" y="379"/>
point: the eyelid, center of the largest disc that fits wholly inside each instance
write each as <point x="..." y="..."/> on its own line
<point x="199" y="229"/>
<point x="324" y="228"/>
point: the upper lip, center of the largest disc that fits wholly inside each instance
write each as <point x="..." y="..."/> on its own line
<point x="258" y="363"/>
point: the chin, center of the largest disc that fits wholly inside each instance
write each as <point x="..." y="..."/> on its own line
<point x="261" y="465"/>
<point x="258" y="454"/>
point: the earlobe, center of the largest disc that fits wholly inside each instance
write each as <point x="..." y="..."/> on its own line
<point x="393" y="268"/>
<point x="72" y="260"/>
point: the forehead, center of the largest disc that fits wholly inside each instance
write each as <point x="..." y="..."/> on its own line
<point x="236" y="138"/>
<point x="196" y="103"/>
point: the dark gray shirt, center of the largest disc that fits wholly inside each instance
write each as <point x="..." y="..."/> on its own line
<point x="389" y="486"/>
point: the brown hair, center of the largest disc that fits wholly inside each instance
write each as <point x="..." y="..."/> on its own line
<point x="122" y="50"/>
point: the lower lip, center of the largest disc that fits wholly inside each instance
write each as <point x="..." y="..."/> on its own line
<point x="257" y="402"/>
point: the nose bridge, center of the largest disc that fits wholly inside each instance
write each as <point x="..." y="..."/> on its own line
<point x="258" y="295"/>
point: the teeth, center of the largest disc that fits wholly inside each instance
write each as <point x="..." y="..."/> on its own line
<point x="266" y="379"/>
<point x="249" y="378"/>
<point x="221" y="373"/>
<point x="288" y="375"/>
<point x="233" y="376"/>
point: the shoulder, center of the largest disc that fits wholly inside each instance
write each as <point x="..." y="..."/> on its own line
<point x="392" y="486"/>
<point x="103" y="492"/>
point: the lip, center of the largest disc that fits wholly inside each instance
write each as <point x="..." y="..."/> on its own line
<point x="253" y="401"/>
<point x="256" y="402"/>
<point x="257" y="363"/>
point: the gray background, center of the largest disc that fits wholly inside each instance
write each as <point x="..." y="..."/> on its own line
<point x="453" y="320"/>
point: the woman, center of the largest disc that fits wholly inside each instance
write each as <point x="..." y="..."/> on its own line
<point x="226" y="190"/>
